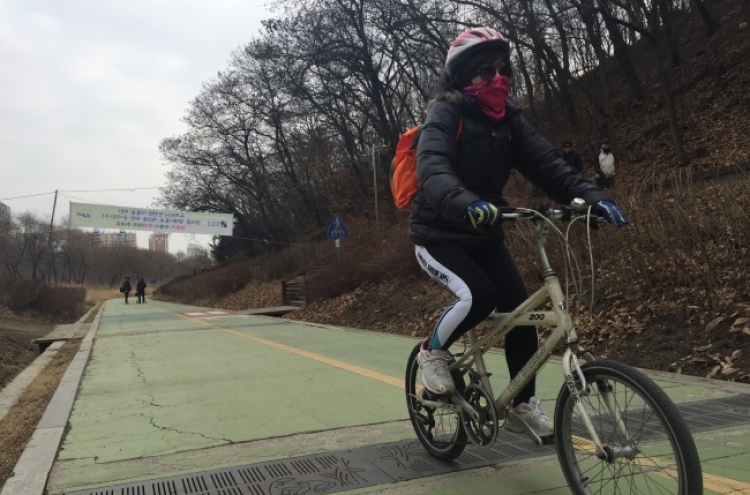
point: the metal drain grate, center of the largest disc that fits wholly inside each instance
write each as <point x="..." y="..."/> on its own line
<point x="386" y="463"/>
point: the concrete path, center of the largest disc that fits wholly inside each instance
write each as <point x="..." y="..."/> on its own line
<point x="173" y="389"/>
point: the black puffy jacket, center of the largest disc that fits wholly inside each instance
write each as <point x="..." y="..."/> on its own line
<point x="453" y="173"/>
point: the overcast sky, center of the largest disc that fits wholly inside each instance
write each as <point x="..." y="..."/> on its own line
<point x="88" y="89"/>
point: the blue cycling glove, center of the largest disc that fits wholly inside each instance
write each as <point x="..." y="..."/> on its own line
<point x="611" y="213"/>
<point x="481" y="213"/>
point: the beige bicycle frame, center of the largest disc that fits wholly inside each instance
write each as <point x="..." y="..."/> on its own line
<point x="524" y="314"/>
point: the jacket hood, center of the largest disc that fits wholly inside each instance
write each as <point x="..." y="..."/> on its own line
<point x="442" y="85"/>
<point x="468" y="104"/>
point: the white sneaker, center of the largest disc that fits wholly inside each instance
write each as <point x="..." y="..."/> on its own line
<point x="435" y="374"/>
<point x="531" y="413"/>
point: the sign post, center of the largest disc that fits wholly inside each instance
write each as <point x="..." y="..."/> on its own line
<point x="337" y="230"/>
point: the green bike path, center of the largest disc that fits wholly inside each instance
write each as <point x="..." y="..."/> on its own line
<point x="172" y="389"/>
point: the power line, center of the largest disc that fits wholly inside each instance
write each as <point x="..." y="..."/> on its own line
<point x="27" y="196"/>
<point x="69" y="197"/>
<point x="132" y="189"/>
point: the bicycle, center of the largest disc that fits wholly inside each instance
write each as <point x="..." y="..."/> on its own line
<point x="614" y="427"/>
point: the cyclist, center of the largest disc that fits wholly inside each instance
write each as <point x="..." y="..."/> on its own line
<point x="461" y="176"/>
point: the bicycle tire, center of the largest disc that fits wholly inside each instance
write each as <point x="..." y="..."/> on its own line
<point x="666" y="460"/>
<point x="447" y="445"/>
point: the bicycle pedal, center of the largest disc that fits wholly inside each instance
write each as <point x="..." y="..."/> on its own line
<point x="430" y="399"/>
<point x="548" y="440"/>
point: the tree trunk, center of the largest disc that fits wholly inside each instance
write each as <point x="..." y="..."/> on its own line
<point x="709" y="21"/>
<point x="529" y="86"/>
<point x="670" y="31"/>
<point x="669" y="103"/>
<point x="622" y="55"/>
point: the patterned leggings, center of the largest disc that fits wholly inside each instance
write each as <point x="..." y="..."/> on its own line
<point x="482" y="280"/>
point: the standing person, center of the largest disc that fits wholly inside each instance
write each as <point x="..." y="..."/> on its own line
<point x="453" y="218"/>
<point x="140" y="291"/>
<point x="572" y="158"/>
<point x="125" y="288"/>
<point x="606" y="173"/>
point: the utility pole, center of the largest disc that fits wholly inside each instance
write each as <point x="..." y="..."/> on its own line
<point x="52" y="221"/>
<point x="49" y="238"/>
<point x="375" y="185"/>
<point x="373" y="149"/>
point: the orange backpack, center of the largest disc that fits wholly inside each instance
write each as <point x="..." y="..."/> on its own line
<point x="404" y="166"/>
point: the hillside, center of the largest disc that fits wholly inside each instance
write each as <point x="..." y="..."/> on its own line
<point x="709" y="88"/>
<point x="672" y="291"/>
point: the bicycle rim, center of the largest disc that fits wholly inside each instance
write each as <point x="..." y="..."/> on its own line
<point x="651" y="453"/>
<point x="438" y="429"/>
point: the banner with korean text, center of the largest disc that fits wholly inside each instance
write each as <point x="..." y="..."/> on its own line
<point x="163" y="221"/>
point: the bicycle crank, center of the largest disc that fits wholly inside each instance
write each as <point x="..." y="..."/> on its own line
<point x="481" y="427"/>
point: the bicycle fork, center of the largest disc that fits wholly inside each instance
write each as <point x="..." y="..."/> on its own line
<point x="570" y="365"/>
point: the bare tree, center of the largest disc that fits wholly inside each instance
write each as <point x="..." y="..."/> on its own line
<point x="75" y="251"/>
<point x="648" y="20"/>
<point x="277" y="138"/>
<point x="709" y="21"/>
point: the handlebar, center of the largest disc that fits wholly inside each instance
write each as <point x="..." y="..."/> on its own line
<point x="565" y="213"/>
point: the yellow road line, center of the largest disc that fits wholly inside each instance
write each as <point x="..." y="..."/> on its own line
<point x="725" y="486"/>
<point x="718" y="484"/>
<point x="390" y="380"/>
<point x="396" y="382"/>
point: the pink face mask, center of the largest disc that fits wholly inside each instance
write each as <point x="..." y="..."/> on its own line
<point x="491" y="95"/>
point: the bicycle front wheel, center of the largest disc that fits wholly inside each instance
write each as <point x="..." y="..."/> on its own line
<point x="648" y="448"/>
<point x="438" y="428"/>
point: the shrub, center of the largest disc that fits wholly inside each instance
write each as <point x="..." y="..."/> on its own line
<point x="367" y="257"/>
<point x="36" y="297"/>
<point x="219" y="281"/>
<point x="688" y="244"/>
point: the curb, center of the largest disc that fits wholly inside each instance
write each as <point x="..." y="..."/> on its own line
<point x="32" y="469"/>
<point x="39" y="342"/>
<point x="15" y="389"/>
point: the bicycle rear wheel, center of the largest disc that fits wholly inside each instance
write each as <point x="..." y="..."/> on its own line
<point x="439" y="429"/>
<point x="652" y="452"/>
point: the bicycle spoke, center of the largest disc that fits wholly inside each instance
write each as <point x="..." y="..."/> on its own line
<point x="648" y="451"/>
<point x="438" y="427"/>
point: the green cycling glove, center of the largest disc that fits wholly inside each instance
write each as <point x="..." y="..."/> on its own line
<point x="481" y="213"/>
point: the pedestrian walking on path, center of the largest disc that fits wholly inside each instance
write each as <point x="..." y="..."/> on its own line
<point x="125" y="288"/>
<point x="140" y="291"/>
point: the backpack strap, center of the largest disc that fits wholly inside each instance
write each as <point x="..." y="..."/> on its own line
<point x="421" y="127"/>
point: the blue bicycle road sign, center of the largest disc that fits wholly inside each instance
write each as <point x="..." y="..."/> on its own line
<point x="337" y="230"/>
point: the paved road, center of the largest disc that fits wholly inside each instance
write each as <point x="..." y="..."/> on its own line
<point x="173" y="389"/>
